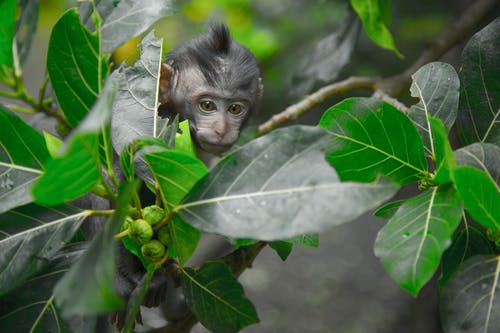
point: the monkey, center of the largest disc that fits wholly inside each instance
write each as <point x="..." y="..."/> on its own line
<point x="215" y="83"/>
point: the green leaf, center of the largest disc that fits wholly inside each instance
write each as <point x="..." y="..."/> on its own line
<point x="470" y="301"/>
<point x="468" y="241"/>
<point x="373" y="14"/>
<point x="183" y="141"/>
<point x="273" y="188"/>
<point x="372" y="138"/>
<point x="26" y="27"/>
<point x="175" y="173"/>
<point x="53" y="143"/>
<point x="185" y="239"/>
<point x="128" y="154"/>
<point x="88" y="287"/>
<point x="30" y="235"/>
<point x="75" y="66"/>
<point x="75" y="172"/>
<point x="22" y="155"/>
<point x="387" y="211"/>
<point x="217" y="299"/>
<point x="30" y="307"/>
<point x="7" y="17"/>
<point x="437" y="86"/>
<point x="479" y="109"/>
<point x="484" y="156"/>
<point x="480" y="195"/>
<point x="411" y="244"/>
<point x="310" y="240"/>
<point x="123" y="20"/>
<point x="445" y="160"/>
<point x="283" y="249"/>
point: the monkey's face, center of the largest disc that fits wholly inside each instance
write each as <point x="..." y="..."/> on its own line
<point x="216" y="113"/>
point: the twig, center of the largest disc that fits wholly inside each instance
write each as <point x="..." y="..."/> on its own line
<point x="394" y="85"/>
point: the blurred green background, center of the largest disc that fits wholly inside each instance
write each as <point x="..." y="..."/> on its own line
<point x="339" y="287"/>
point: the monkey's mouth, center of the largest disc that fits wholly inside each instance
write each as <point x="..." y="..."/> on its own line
<point x="214" y="148"/>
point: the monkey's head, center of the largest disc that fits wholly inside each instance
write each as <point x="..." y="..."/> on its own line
<point x="215" y="83"/>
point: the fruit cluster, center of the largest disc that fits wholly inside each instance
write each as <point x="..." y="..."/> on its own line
<point x="153" y="243"/>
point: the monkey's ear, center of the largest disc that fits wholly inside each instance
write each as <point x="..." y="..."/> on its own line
<point x="166" y="82"/>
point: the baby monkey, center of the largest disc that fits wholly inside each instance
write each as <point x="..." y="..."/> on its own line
<point x="215" y="83"/>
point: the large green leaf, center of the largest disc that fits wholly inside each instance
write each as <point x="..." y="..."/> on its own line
<point x="278" y="186"/>
<point x="76" y="171"/>
<point x="30" y="235"/>
<point x="480" y="195"/>
<point x="470" y="301"/>
<point x="26" y="27"/>
<point x="411" y="244"/>
<point x="217" y="299"/>
<point x="88" y="287"/>
<point x="22" y="155"/>
<point x="374" y="15"/>
<point x="30" y="307"/>
<point x="7" y="17"/>
<point x="123" y="20"/>
<point x="75" y="66"/>
<point x="484" y="156"/>
<point x="469" y="240"/>
<point x="372" y="138"/>
<point x="437" y="87"/>
<point x="479" y="112"/>
<point x="444" y="158"/>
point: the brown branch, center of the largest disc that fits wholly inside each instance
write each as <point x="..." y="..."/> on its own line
<point x="394" y="85"/>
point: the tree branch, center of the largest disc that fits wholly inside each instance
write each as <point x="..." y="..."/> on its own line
<point x="394" y="85"/>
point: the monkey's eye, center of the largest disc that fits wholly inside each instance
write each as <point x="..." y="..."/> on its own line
<point x="235" y="109"/>
<point x="207" y="105"/>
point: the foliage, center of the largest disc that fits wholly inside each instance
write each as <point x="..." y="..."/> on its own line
<point x="284" y="188"/>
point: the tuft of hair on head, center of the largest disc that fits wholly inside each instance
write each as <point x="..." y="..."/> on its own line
<point x="219" y="37"/>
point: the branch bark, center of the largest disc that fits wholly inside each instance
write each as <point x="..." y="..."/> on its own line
<point x="393" y="85"/>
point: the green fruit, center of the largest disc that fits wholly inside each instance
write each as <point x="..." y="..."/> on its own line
<point x="126" y="223"/>
<point x="153" y="251"/>
<point x="140" y="231"/>
<point x="164" y="235"/>
<point x="153" y="214"/>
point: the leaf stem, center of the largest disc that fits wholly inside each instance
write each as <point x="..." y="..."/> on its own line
<point x="122" y="234"/>
<point x="104" y="212"/>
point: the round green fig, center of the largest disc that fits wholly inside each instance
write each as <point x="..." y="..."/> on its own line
<point x="140" y="231"/>
<point x="153" y="214"/>
<point x="153" y="251"/>
<point x="163" y="235"/>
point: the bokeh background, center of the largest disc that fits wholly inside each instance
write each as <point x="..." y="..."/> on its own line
<point x="339" y="287"/>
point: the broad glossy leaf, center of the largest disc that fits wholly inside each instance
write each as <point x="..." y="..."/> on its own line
<point x="373" y="14"/>
<point x="176" y="173"/>
<point x="480" y="195"/>
<point x="22" y="155"/>
<point x="30" y="308"/>
<point x="134" y="111"/>
<point x="26" y="27"/>
<point x="75" y="66"/>
<point x="484" y="156"/>
<point x="410" y="245"/>
<point x="387" y="211"/>
<point x="437" y="87"/>
<point x="470" y="301"/>
<point x="7" y="17"/>
<point x="75" y="172"/>
<point x="444" y="158"/>
<point x="328" y="57"/>
<point x="479" y="111"/>
<point x="185" y="239"/>
<point x="283" y="249"/>
<point x="125" y="19"/>
<point x="128" y="154"/>
<point x="217" y="299"/>
<point x="310" y="240"/>
<point x="372" y="138"/>
<point x="88" y="287"/>
<point x="278" y="186"/>
<point x="469" y="240"/>
<point x="29" y="236"/>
